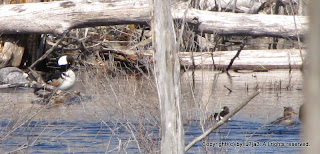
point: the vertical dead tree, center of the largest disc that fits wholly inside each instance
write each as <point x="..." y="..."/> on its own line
<point x="167" y="69"/>
<point x="303" y="7"/>
<point x="312" y="82"/>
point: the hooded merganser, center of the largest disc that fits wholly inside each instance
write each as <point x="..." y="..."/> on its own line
<point x="287" y="117"/>
<point x="219" y="116"/>
<point x="62" y="77"/>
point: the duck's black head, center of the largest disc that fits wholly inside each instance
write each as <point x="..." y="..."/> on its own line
<point x="57" y="67"/>
<point x="65" y="62"/>
<point x="225" y="111"/>
<point x="50" y="64"/>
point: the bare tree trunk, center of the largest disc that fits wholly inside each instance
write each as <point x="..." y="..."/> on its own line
<point x="303" y="7"/>
<point x="312" y="82"/>
<point x="167" y="69"/>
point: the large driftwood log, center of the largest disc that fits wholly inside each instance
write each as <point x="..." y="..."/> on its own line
<point x="59" y="16"/>
<point x="225" y="23"/>
<point x="248" y="59"/>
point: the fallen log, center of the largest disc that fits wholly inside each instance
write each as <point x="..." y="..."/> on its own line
<point x="60" y="16"/>
<point x="224" y="23"/>
<point x="28" y="85"/>
<point x="248" y="59"/>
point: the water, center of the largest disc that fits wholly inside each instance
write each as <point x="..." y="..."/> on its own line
<point x="96" y="127"/>
<point x="65" y="137"/>
<point x="85" y="137"/>
<point x="250" y="137"/>
<point x="250" y="130"/>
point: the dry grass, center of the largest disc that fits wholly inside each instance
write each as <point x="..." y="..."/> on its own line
<point x="128" y="100"/>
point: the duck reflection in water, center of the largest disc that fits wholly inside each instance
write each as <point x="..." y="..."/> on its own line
<point x="287" y="117"/>
<point x="219" y="116"/>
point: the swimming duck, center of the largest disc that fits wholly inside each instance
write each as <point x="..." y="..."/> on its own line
<point x="287" y="117"/>
<point x="63" y="78"/>
<point x="219" y="116"/>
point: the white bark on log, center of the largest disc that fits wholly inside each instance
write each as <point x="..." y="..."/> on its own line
<point x="247" y="6"/>
<point x="248" y="59"/>
<point x="167" y="75"/>
<point x="245" y="24"/>
<point x="59" y="16"/>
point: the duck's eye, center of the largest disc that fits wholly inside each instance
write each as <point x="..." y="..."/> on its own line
<point x="64" y="75"/>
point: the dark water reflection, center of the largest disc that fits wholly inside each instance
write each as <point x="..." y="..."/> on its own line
<point x="85" y="137"/>
<point x="248" y="131"/>
<point x="250" y="137"/>
<point x="70" y="137"/>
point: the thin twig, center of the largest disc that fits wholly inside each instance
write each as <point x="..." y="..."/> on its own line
<point x="237" y="55"/>
<point x="49" y="51"/>
<point x="222" y="121"/>
<point x="34" y="73"/>
<point x="230" y="91"/>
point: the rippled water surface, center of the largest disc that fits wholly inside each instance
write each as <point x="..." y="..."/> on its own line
<point x="88" y="127"/>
